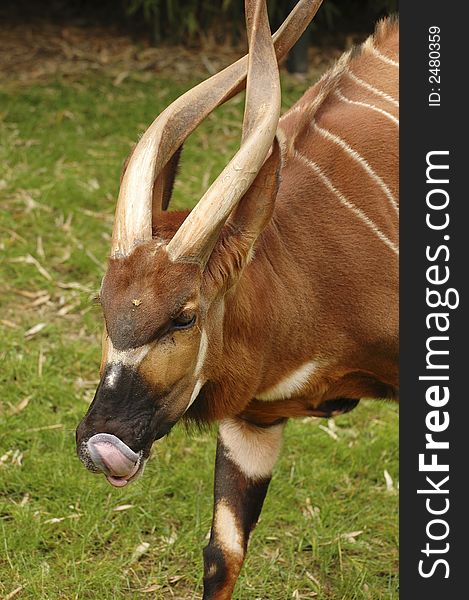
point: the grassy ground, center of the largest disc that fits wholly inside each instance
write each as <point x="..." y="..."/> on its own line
<point x="329" y="527"/>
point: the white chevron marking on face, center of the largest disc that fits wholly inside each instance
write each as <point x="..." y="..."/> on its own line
<point x="129" y="358"/>
<point x="199" y="366"/>
<point x="116" y="359"/>
<point x="202" y="353"/>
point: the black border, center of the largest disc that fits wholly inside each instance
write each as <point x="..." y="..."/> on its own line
<point x="423" y="129"/>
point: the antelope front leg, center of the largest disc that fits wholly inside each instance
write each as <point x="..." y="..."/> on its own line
<point x="246" y="455"/>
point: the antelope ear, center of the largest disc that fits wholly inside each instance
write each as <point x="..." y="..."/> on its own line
<point x="163" y="186"/>
<point x="255" y="208"/>
<point x="236" y="244"/>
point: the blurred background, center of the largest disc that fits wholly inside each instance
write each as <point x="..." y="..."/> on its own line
<point x="194" y="24"/>
<point x="79" y="83"/>
<point x="188" y="21"/>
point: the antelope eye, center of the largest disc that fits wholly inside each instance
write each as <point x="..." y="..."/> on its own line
<point x="184" y="321"/>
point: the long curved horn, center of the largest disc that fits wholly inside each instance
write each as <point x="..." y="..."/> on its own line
<point x="196" y="237"/>
<point x="133" y="217"/>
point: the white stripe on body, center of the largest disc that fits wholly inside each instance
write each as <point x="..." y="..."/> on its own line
<point x="345" y="202"/>
<point x="371" y="88"/>
<point x="385" y="113"/>
<point x="368" y="45"/>
<point x="290" y="385"/>
<point x="360" y="160"/>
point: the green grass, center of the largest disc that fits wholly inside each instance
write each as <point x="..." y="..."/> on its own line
<point x="329" y="527"/>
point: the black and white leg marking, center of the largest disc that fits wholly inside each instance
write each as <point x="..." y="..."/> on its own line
<point x="246" y="455"/>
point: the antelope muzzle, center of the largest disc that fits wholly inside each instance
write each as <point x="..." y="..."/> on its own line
<point x="123" y="421"/>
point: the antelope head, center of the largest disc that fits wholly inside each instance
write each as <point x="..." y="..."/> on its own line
<point x="162" y="292"/>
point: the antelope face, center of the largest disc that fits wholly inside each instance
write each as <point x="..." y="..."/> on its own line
<point x="154" y="346"/>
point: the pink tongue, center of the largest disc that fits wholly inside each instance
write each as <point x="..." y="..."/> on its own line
<point x="117" y="481"/>
<point x="118" y="464"/>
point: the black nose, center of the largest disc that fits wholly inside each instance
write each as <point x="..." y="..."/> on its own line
<point x="124" y="407"/>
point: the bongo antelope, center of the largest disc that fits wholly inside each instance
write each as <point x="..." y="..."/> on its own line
<point x="276" y="297"/>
